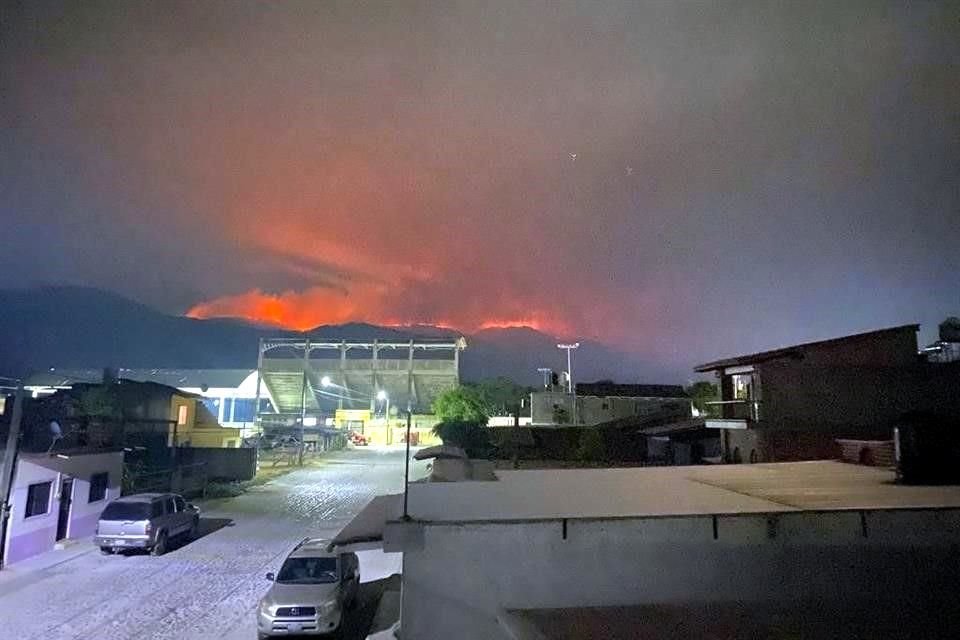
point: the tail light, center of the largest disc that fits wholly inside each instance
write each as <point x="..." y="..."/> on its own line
<point x="148" y="529"/>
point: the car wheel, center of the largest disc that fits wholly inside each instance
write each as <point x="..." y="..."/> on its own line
<point x="160" y="546"/>
<point x="107" y="551"/>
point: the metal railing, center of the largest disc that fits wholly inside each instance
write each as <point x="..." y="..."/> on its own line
<point x="740" y="409"/>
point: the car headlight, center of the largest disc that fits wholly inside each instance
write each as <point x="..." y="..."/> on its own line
<point x="328" y="607"/>
<point x="264" y="608"/>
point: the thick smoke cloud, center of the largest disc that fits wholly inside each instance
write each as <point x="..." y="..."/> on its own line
<point x="745" y="175"/>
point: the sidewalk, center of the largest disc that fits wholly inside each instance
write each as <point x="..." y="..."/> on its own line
<point x="23" y="570"/>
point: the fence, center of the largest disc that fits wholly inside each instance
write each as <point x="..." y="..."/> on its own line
<point x="189" y="479"/>
<point x="220" y="463"/>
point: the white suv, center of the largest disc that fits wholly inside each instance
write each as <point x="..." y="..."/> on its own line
<point x="310" y="592"/>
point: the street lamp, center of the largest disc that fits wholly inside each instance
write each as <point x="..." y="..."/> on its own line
<point x="325" y="381"/>
<point x="569" y="348"/>
<point x="570" y="389"/>
<point x="383" y="397"/>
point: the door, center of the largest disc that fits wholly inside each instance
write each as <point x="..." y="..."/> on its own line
<point x="184" y="516"/>
<point x="173" y="518"/>
<point x="66" y="499"/>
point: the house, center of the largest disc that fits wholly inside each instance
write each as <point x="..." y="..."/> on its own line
<point x="825" y="543"/>
<point x="229" y="395"/>
<point x="58" y="497"/>
<point x="600" y="402"/>
<point x="185" y="415"/>
<point x="793" y="403"/>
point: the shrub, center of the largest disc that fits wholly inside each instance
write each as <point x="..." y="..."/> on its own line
<point x="223" y="490"/>
<point x="591" y="448"/>
<point x="472" y="437"/>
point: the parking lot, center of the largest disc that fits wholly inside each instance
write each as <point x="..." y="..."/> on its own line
<point x="208" y="587"/>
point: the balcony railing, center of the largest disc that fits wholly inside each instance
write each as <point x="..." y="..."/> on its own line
<point x="738" y="409"/>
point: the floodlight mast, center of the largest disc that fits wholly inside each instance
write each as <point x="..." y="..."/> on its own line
<point x="570" y="389"/>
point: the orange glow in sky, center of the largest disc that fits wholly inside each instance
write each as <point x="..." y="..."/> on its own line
<point x="302" y="311"/>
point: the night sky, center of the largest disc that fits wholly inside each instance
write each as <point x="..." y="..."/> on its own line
<point x="746" y="175"/>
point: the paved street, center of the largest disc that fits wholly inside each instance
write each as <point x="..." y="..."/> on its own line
<point x="207" y="588"/>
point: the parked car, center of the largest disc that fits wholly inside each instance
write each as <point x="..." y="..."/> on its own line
<point x="145" y="521"/>
<point x="310" y="592"/>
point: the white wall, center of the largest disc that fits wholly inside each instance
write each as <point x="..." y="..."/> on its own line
<point x="463" y="575"/>
<point x="247" y="390"/>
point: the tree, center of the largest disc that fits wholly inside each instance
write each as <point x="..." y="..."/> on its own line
<point x="461" y="404"/>
<point x="701" y="393"/>
<point x="500" y="395"/>
<point x="99" y="402"/>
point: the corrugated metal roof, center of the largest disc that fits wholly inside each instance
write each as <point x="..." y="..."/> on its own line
<point x="786" y="352"/>
<point x="191" y="378"/>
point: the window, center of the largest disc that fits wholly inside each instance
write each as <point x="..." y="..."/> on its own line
<point x="169" y="505"/>
<point x="38" y="499"/>
<point x="243" y="410"/>
<point x="182" y="415"/>
<point x="98" y="486"/>
<point x="126" y="511"/>
<point x="156" y="508"/>
<point x="308" y="571"/>
<point x="181" y="505"/>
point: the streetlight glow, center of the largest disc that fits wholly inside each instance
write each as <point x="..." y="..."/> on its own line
<point x="325" y="381"/>
<point x="381" y="395"/>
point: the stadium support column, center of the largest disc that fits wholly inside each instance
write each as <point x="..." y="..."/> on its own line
<point x="303" y="400"/>
<point x="410" y="399"/>
<point x="256" y="403"/>
<point x="373" y="369"/>
<point x="343" y="372"/>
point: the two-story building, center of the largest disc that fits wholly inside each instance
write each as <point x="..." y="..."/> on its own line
<point x="793" y="403"/>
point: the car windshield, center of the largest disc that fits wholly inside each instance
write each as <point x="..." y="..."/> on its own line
<point x="308" y="571"/>
<point x="126" y="511"/>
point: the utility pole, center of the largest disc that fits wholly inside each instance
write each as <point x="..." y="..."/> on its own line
<point x="406" y="466"/>
<point x="9" y="465"/>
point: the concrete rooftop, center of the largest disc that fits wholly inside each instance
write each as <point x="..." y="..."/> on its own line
<point x="673" y="491"/>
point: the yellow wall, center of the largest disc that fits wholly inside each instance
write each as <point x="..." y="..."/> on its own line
<point x="224" y="437"/>
<point x="199" y="430"/>
<point x="344" y="416"/>
<point x="391" y="431"/>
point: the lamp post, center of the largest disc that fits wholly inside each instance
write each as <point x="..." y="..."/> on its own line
<point x="570" y="389"/>
<point x="406" y="465"/>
